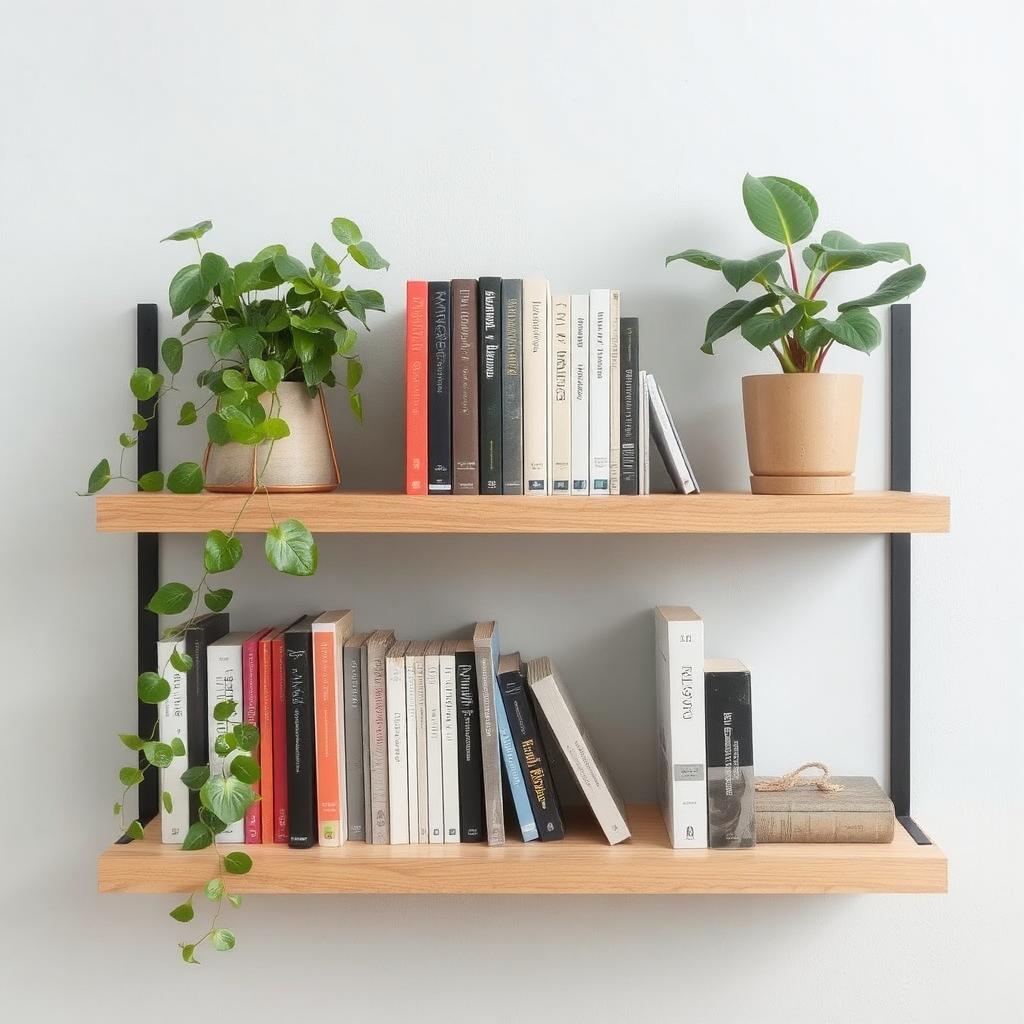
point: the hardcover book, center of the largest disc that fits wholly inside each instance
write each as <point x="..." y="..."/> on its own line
<point x="435" y="784"/>
<point x="490" y="366"/>
<point x="485" y="646"/>
<point x="398" y="746"/>
<point x="439" y="392"/>
<point x="614" y="394"/>
<point x="580" y="456"/>
<point x="858" y="813"/>
<point x="730" y="749"/>
<point x="224" y="684"/>
<point x="416" y="740"/>
<point x="253" y="823"/>
<point x="600" y="394"/>
<point x="416" y="387"/>
<point x="555" y="705"/>
<point x="682" y="753"/>
<point x="379" y="830"/>
<point x="471" y="785"/>
<point x="666" y="437"/>
<point x="301" y="733"/>
<point x="465" y="413"/>
<point x="280" y="727"/>
<point x="450" y="741"/>
<point x="203" y="631"/>
<point x="512" y="387"/>
<point x="266" y="748"/>
<point x="560" y="416"/>
<point x="535" y="385"/>
<point x="644" y="441"/>
<point x="629" y="425"/>
<point x="173" y="724"/>
<point x="355" y="806"/>
<point x="510" y="664"/>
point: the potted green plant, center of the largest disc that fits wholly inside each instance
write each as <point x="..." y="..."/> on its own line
<point x="802" y="426"/>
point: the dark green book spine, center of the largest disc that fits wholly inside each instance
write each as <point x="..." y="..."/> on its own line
<point x="629" y="410"/>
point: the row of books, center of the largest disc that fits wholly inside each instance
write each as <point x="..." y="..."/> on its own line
<point x="511" y="390"/>
<point x="367" y="738"/>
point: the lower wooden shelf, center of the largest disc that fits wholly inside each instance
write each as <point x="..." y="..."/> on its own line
<point x="583" y="863"/>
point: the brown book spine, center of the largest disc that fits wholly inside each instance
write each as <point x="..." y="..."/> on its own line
<point x="825" y="826"/>
<point x="465" y="406"/>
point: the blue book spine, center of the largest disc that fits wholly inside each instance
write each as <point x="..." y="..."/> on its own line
<point x="514" y="772"/>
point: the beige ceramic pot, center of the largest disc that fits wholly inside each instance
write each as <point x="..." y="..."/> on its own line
<point x="802" y="431"/>
<point x="303" y="461"/>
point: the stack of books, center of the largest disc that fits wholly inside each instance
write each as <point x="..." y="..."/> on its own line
<point x="513" y="390"/>
<point x="367" y="738"/>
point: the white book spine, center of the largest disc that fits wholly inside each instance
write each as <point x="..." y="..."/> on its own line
<point x="614" y="395"/>
<point x="224" y="682"/>
<point x="535" y="385"/>
<point x="449" y="748"/>
<point x="667" y="438"/>
<point x="560" y="460"/>
<point x="398" y="755"/>
<point x="644" y="446"/>
<point x="412" y="749"/>
<point x="435" y="777"/>
<point x="580" y="457"/>
<point x="679" y="671"/>
<point x="600" y="394"/>
<point x="173" y="722"/>
<point x="422" y="830"/>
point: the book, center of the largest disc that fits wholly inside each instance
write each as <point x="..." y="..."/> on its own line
<point x="172" y="721"/>
<point x="471" y="785"/>
<point x="666" y="438"/>
<point x="300" y="733"/>
<point x="416" y="387"/>
<point x="435" y="781"/>
<point x="560" y="416"/>
<point x="280" y="726"/>
<point x="449" y="742"/>
<point x="330" y="631"/>
<point x="485" y="648"/>
<point x="224" y="685"/>
<point x="529" y="746"/>
<point x="600" y="394"/>
<point x="267" y="795"/>
<point x="416" y="740"/>
<point x="682" y="752"/>
<point x="730" y="754"/>
<point x="510" y="664"/>
<point x="378" y="830"/>
<point x="512" y="387"/>
<point x="490" y="367"/>
<point x="355" y="805"/>
<point x="580" y="455"/>
<point x="465" y="413"/>
<point x="203" y="631"/>
<point x="535" y="385"/>
<point x="439" y="389"/>
<point x="629" y="409"/>
<point x="858" y="813"/>
<point x="644" y="441"/>
<point x="253" y="821"/>
<point x="398" y="745"/>
<point x="555" y="704"/>
<point x="614" y="394"/>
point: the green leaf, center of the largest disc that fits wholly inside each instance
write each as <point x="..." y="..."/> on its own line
<point x="221" y="552"/>
<point x="198" y="837"/>
<point x="763" y="329"/>
<point x="239" y="425"/>
<point x="171" y="599"/>
<point x="353" y="374"/>
<point x="367" y="256"/>
<point x="291" y="549"/>
<point x="152" y="481"/>
<point x="144" y="383"/>
<point x="730" y="316"/>
<point x="178" y="746"/>
<point x="127" y="441"/>
<point x="371" y="299"/>
<point x="196" y="231"/>
<point x="229" y="798"/>
<point x="185" y="478"/>
<point x="183" y="912"/>
<point x="855" y="328"/>
<point x="216" y="429"/>
<point x="274" y="429"/>
<point x="217" y="600"/>
<point x="355" y="403"/>
<point x="345" y="231"/>
<point x="224" y="744"/>
<point x="741" y="272"/>
<point x="168" y="802"/>
<point x="289" y="267"/>
<point x="181" y="661"/>
<point x="152" y="689"/>
<point x="99" y="477"/>
<point x="188" y="286"/>
<point x="355" y="305"/>
<point x="316" y="369"/>
<point x="346" y="340"/>
<point x="139" y="423"/>
<point x="304" y="343"/>
<point x="238" y="863"/>
<point x="188" y="951"/>
<point x="247" y="735"/>
<point x="215" y="890"/>
<point x="811" y="307"/>
<point x="172" y="352"/>
<point x="187" y="416"/>
<point x="700" y="257"/>
<point x="234" y="899"/>
<point x="130" y="776"/>
<point x="224" y="709"/>
<point x="195" y="778"/>
<point x="246" y="339"/>
<point x="130" y="741"/>
<point x="245" y="768"/>
<point x="840" y="251"/>
<point x="135" y="830"/>
<point x="268" y="374"/>
<point x="779" y="208"/>
<point x="222" y="939"/>
<point x="214" y="268"/>
<point x="234" y="380"/>
<point x="208" y="817"/>
<point x="324" y="262"/>
<point x="158" y="754"/>
<point x="892" y="289"/>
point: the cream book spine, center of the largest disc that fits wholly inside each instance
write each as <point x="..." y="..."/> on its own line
<point x="416" y="704"/>
<point x="535" y="385"/>
<point x="644" y="442"/>
<point x="435" y="783"/>
<point x="224" y="683"/>
<point x="600" y="394"/>
<point x="560" y="459"/>
<point x="173" y="725"/>
<point x="398" y="753"/>
<point x="614" y="395"/>
<point x="449" y="743"/>
<point x="580" y="455"/>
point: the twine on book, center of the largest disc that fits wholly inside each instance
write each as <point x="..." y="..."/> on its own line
<point x="791" y="779"/>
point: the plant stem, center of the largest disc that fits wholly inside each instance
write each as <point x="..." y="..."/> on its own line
<point x="817" y="287"/>
<point x="792" y="267"/>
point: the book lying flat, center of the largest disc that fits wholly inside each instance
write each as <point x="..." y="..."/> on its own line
<point x="858" y="813"/>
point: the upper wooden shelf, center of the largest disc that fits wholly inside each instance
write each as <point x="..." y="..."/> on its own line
<point x="582" y="863"/>
<point x="352" y="512"/>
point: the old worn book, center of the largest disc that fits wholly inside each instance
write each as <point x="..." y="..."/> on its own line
<point x="465" y="388"/>
<point x="858" y="813"/>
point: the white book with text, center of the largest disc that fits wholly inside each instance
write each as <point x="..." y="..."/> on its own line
<point x="535" y="385"/>
<point x="173" y="724"/>
<point x="560" y="409"/>
<point x="435" y="783"/>
<point x="224" y="683"/>
<point x="398" y="754"/>
<point x="600" y="394"/>
<point x="580" y="337"/>
<point x="449" y="743"/>
<point x="614" y="394"/>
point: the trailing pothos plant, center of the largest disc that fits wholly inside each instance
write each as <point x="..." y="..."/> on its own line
<point x="262" y="321"/>
<point x="787" y="317"/>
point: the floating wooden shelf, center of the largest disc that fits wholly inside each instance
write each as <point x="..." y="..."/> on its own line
<point x="348" y="512"/>
<point x="582" y="863"/>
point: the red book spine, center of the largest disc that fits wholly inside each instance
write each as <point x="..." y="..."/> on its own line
<point x="266" y="701"/>
<point x="416" y="387"/>
<point x="280" y="739"/>
<point x="250" y="714"/>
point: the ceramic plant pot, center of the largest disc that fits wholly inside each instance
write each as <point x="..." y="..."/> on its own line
<point x="802" y="431"/>
<point x="302" y="462"/>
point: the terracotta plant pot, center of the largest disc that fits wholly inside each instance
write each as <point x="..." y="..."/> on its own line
<point x="302" y="462"/>
<point x="802" y="431"/>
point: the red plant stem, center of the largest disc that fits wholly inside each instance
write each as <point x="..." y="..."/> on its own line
<point x="821" y="356"/>
<point x="792" y="267"/>
<point x="817" y="287"/>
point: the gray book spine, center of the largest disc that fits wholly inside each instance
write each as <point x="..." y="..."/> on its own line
<point x="512" y="386"/>
<point x="376" y="656"/>
<point x="490" y="748"/>
<point x="355" y="809"/>
<point x="364" y="725"/>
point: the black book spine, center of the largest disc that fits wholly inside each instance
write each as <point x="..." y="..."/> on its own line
<point x="533" y="758"/>
<point x="471" y="778"/>
<point x="439" y="391"/>
<point x="730" y="753"/>
<point x="298" y="681"/>
<point x="197" y="710"/>
<point x="512" y="387"/>
<point x="490" y="369"/>
<point x="629" y="408"/>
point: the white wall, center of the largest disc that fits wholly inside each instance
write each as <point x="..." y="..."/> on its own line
<point x="625" y="132"/>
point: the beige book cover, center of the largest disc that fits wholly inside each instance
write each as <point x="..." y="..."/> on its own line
<point x="614" y="396"/>
<point x="535" y="385"/>
<point x="560" y="411"/>
<point x="860" y="812"/>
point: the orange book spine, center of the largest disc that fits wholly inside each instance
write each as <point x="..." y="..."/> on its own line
<point x="266" y="725"/>
<point x="416" y="387"/>
<point x="328" y="761"/>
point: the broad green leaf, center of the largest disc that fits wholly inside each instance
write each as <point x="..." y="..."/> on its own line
<point x="224" y="744"/>
<point x="135" y="830"/>
<point x="127" y="441"/>
<point x="247" y="735"/>
<point x="811" y="307"/>
<point x="167" y="801"/>
<point x="245" y="768"/>
<point x="172" y="351"/>
<point x="209" y="818"/>
<point x="353" y="374"/>
<point x="371" y="299"/>
<point x="145" y="383"/>
<point x="345" y="231"/>
<point x="221" y="552"/>
<point x="186" y="289"/>
<point x="246" y="339"/>
<point x="229" y="798"/>
<point x="316" y="369"/>
<point x="178" y="746"/>
<point x="346" y="340"/>
<point x="291" y="549"/>
<point x="130" y="741"/>
<point x="152" y="481"/>
<point x="215" y="890"/>
<point x="730" y="316"/>
<point x="233" y="380"/>
<point x="170" y="599"/>
<point x="274" y="429"/>
<point x="354" y="304"/>
<point x="222" y="939"/>
<point x="741" y="272"/>
<point x="198" y="837"/>
<point x="188" y="952"/>
<point x="99" y="477"/>
<point x="763" y="329"/>
<point x="234" y="899"/>
<point x="139" y="423"/>
<point x="181" y="661"/>
<point x="238" y="863"/>
<point x="213" y="269"/>
<point x="152" y="689"/>
<point x="185" y="478"/>
<point x="195" y="778"/>
<point x="239" y="425"/>
<point x="779" y="208"/>
<point x="289" y="267"/>
<point x="130" y="776"/>
<point x="700" y="257"/>
<point x="892" y="289"/>
<point x="217" y="429"/>
<point x="218" y="600"/>
<point x="304" y="343"/>
<point x="855" y="328"/>
<point x="840" y="251"/>
<point x="324" y="262"/>
<point x="187" y="416"/>
<point x="183" y="912"/>
<point x="158" y="754"/>
<point x="224" y="709"/>
<point x="246" y="274"/>
<point x="196" y="231"/>
<point x="367" y="256"/>
<point x="268" y="374"/>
